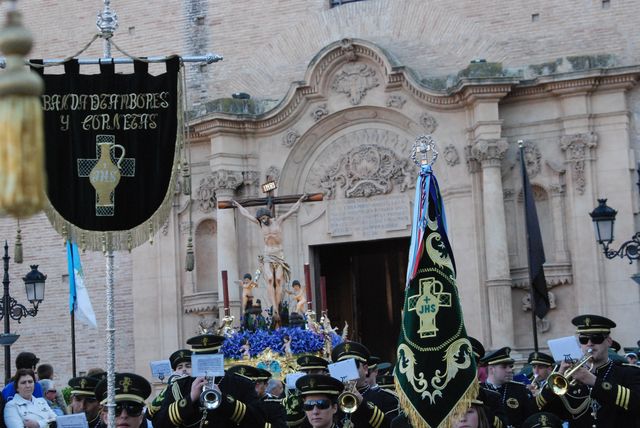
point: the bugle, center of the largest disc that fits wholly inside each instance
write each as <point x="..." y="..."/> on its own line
<point x="210" y="398"/>
<point x="559" y="383"/>
<point x="347" y="400"/>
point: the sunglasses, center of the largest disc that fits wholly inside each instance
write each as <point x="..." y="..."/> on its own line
<point x="133" y="409"/>
<point x="320" y="404"/>
<point x="52" y="390"/>
<point x="596" y="339"/>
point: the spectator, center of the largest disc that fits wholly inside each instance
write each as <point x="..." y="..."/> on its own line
<point x="45" y="372"/>
<point x="50" y="393"/>
<point x="25" y="410"/>
<point x="24" y="360"/>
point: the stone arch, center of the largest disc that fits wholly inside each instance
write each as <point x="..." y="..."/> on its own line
<point x="206" y="253"/>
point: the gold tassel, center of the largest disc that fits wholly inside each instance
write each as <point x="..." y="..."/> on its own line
<point x="17" y="250"/>
<point x="190" y="261"/>
<point x="22" y="171"/>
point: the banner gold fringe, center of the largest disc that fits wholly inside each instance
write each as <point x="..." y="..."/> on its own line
<point x="120" y="240"/>
<point x="456" y="412"/>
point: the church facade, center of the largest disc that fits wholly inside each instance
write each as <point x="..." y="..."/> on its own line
<point x="329" y="98"/>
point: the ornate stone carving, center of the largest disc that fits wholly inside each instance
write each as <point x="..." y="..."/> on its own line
<point x="201" y="303"/>
<point x="273" y="173"/>
<point x="250" y="178"/>
<point x="319" y="112"/>
<point x="219" y="179"/>
<point x="428" y="122"/>
<point x="355" y="80"/>
<point x="542" y="324"/>
<point x="348" y="50"/>
<point x="473" y="165"/>
<point x="184" y="227"/>
<point x="577" y="148"/>
<point x="450" y="154"/>
<point x="489" y="152"/>
<point x="507" y="194"/>
<point x="557" y="189"/>
<point x="532" y="158"/>
<point x="290" y="138"/>
<point x="396" y="101"/>
<point x="363" y="163"/>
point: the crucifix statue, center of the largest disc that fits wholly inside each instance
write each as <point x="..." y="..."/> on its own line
<point x="274" y="268"/>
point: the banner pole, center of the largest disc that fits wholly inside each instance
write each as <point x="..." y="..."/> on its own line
<point x="110" y="343"/>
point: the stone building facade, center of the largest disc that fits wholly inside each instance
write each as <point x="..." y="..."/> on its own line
<point x="338" y="95"/>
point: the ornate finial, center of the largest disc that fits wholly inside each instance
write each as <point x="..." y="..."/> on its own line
<point x="107" y="21"/>
<point x="420" y="151"/>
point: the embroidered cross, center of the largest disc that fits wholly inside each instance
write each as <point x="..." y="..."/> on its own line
<point x="104" y="172"/>
<point x="427" y="303"/>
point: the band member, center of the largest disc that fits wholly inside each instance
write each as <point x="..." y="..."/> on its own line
<point x="275" y="414"/>
<point x="514" y="397"/>
<point x="312" y="364"/>
<point x="131" y="392"/>
<point x="375" y="399"/>
<point x="542" y="420"/>
<point x="83" y="398"/>
<point x="181" y="365"/>
<point x="605" y="393"/>
<point x="542" y="365"/>
<point x="238" y="405"/>
<point x="319" y="395"/>
<point x="495" y="411"/>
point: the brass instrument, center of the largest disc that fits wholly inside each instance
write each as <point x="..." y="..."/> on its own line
<point x="210" y="398"/>
<point x="559" y="383"/>
<point x="347" y="400"/>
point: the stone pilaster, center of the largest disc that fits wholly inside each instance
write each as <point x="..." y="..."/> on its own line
<point x="561" y="253"/>
<point x="489" y="153"/>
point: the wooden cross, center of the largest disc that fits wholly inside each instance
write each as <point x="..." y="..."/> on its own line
<point x="270" y="201"/>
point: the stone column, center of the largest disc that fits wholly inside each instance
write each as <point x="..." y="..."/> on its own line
<point x="225" y="183"/>
<point x="490" y="153"/>
<point x="561" y="254"/>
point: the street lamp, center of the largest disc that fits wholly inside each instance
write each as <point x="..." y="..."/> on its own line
<point x="604" y="218"/>
<point x="10" y="309"/>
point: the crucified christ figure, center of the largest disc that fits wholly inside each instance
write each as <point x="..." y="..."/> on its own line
<point x="275" y="269"/>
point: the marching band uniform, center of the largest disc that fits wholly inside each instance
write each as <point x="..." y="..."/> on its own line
<point x="85" y="386"/>
<point x="614" y="399"/>
<point x="542" y="420"/>
<point x="515" y="398"/>
<point x="180" y="356"/>
<point x="496" y="414"/>
<point x="541" y="359"/>
<point x="239" y="405"/>
<point x="312" y="364"/>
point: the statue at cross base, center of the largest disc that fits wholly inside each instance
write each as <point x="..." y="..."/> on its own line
<point x="274" y="268"/>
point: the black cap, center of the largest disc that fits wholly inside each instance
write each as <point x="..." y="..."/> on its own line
<point x="252" y="373"/>
<point x="206" y="343"/>
<point x="592" y="324"/>
<point x="540" y="358"/>
<point x="347" y="350"/>
<point x="311" y="362"/>
<point x="293" y="405"/>
<point x="542" y="420"/>
<point x="501" y="356"/>
<point x="180" y="356"/>
<point x="386" y="382"/>
<point x="295" y="282"/>
<point x="84" y="385"/>
<point x="384" y="368"/>
<point x="373" y="362"/>
<point x="247" y="276"/>
<point x="615" y="346"/>
<point x="129" y="387"/>
<point x="319" y="384"/>
<point x="476" y="346"/>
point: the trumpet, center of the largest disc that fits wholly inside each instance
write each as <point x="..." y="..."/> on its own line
<point x="210" y="398"/>
<point x="559" y="383"/>
<point x="347" y="400"/>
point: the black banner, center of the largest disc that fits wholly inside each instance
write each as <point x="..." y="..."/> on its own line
<point x="110" y="145"/>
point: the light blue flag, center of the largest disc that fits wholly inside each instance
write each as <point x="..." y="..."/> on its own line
<point x="79" y="302"/>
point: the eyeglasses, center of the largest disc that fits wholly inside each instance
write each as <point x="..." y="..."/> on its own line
<point x="133" y="409"/>
<point x="596" y="339"/>
<point x="320" y="404"/>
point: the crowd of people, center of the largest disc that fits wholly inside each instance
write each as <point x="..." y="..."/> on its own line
<point x="599" y="393"/>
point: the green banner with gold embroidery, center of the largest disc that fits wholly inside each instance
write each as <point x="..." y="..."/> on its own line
<point x="435" y="370"/>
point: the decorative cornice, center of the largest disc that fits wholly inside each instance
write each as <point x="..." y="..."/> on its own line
<point x="555" y="274"/>
<point x="200" y="303"/>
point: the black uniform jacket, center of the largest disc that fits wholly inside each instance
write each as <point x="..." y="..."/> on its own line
<point x="240" y="406"/>
<point x="615" y="397"/>
<point x="516" y="400"/>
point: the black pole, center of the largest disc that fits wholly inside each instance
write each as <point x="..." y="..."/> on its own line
<point x="5" y="313"/>
<point x="531" y="286"/>
<point x="73" y="342"/>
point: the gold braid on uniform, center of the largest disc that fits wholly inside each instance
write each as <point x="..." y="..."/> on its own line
<point x="622" y="399"/>
<point x="575" y="410"/>
<point x="239" y="412"/>
<point x="497" y="423"/>
<point x="179" y="401"/>
<point x="377" y="417"/>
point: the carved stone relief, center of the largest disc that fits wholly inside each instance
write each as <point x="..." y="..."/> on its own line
<point x="348" y="50"/>
<point x="428" y="122"/>
<point x="396" y="101"/>
<point x="220" y="179"/>
<point x="489" y="152"/>
<point x="532" y="158"/>
<point x="363" y="163"/>
<point x="319" y="112"/>
<point x="355" y="80"/>
<point x="290" y="138"/>
<point x="577" y="148"/>
<point x="450" y="154"/>
<point x="544" y="324"/>
<point x="273" y="173"/>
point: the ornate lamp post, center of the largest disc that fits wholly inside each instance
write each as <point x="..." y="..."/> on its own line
<point x="604" y="218"/>
<point x="10" y="309"/>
